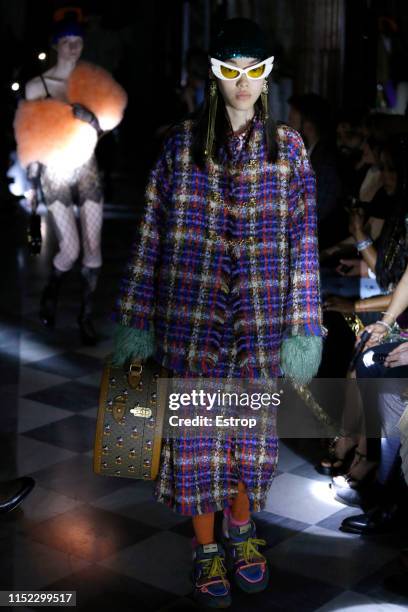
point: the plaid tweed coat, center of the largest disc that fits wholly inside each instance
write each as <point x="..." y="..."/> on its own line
<point x="245" y="226"/>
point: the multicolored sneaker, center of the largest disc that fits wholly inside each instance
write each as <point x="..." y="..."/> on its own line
<point x="211" y="586"/>
<point x="248" y="565"/>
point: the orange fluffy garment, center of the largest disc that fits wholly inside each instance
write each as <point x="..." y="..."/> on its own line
<point x="95" y="88"/>
<point x="47" y="131"/>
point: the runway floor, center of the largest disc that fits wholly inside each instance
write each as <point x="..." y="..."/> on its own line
<point x="106" y="538"/>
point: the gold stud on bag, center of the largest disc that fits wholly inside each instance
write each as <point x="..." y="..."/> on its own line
<point x="130" y="419"/>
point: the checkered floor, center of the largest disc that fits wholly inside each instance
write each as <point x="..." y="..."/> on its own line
<point x="105" y="538"/>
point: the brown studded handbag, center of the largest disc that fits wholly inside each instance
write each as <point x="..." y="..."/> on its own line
<point x="129" y="426"/>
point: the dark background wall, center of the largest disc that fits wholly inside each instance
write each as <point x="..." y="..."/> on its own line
<point x="327" y="46"/>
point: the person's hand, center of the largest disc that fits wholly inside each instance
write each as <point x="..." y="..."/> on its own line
<point x="378" y="332"/>
<point x="339" y="304"/>
<point x="356" y="222"/>
<point x="397" y="357"/>
<point x="358" y="267"/>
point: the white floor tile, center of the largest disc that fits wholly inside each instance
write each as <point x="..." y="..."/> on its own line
<point x="356" y="602"/>
<point x="31" y="350"/>
<point x="301" y="499"/>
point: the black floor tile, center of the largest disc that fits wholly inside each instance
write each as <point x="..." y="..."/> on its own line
<point x="89" y="533"/>
<point x="75" y="433"/>
<point x="98" y="588"/>
<point x="275" y="529"/>
<point x="286" y="593"/>
<point x="75" y="478"/>
<point x="74" y="396"/>
<point x="375" y="586"/>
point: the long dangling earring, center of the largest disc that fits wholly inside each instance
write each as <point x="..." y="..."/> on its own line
<point x="264" y="100"/>
<point x="212" y="113"/>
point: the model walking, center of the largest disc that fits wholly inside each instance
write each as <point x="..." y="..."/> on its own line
<point x="66" y="110"/>
<point x="224" y="282"/>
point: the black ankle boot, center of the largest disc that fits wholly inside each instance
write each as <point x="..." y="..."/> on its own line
<point x="49" y="298"/>
<point x="90" y="277"/>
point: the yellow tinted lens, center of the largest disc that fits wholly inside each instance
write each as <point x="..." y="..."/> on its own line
<point x="229" y="73"/>
<point x="255" y="73"/>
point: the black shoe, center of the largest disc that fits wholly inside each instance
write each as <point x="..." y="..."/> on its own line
<point x="13" y="492"/>
<point x="49" y="298"/>
<point x="376" y="521"/>
<point x="87" y="331"/>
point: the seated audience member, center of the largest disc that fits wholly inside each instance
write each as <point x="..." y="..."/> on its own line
<point x="360" y="174"/>
<point x="386" y="497"/>
<point x="387" y="260"/>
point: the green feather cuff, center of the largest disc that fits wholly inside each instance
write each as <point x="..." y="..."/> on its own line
<point x="301" y="357"/>
<point x="131" y="343"/>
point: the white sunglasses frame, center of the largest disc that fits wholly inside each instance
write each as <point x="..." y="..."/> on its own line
<point x="216" y="68"/>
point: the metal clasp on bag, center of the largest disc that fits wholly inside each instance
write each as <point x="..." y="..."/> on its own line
<point x="135" y="375"/>
<point x="141" y="411"/>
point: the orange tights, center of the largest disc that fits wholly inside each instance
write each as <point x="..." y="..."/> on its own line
<point x="203" y="524"/>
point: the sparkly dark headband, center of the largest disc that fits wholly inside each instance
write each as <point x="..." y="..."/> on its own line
<point x="239" y="38"/>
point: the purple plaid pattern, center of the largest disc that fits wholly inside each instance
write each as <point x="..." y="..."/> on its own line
<point x="198" y="224"/>
<point x="200" y="475"/>
<point x="225" y="267"/>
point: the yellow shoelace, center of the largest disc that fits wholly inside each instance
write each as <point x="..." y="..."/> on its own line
<point x="214" y="567"/>
<point x="247" y="550"/>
